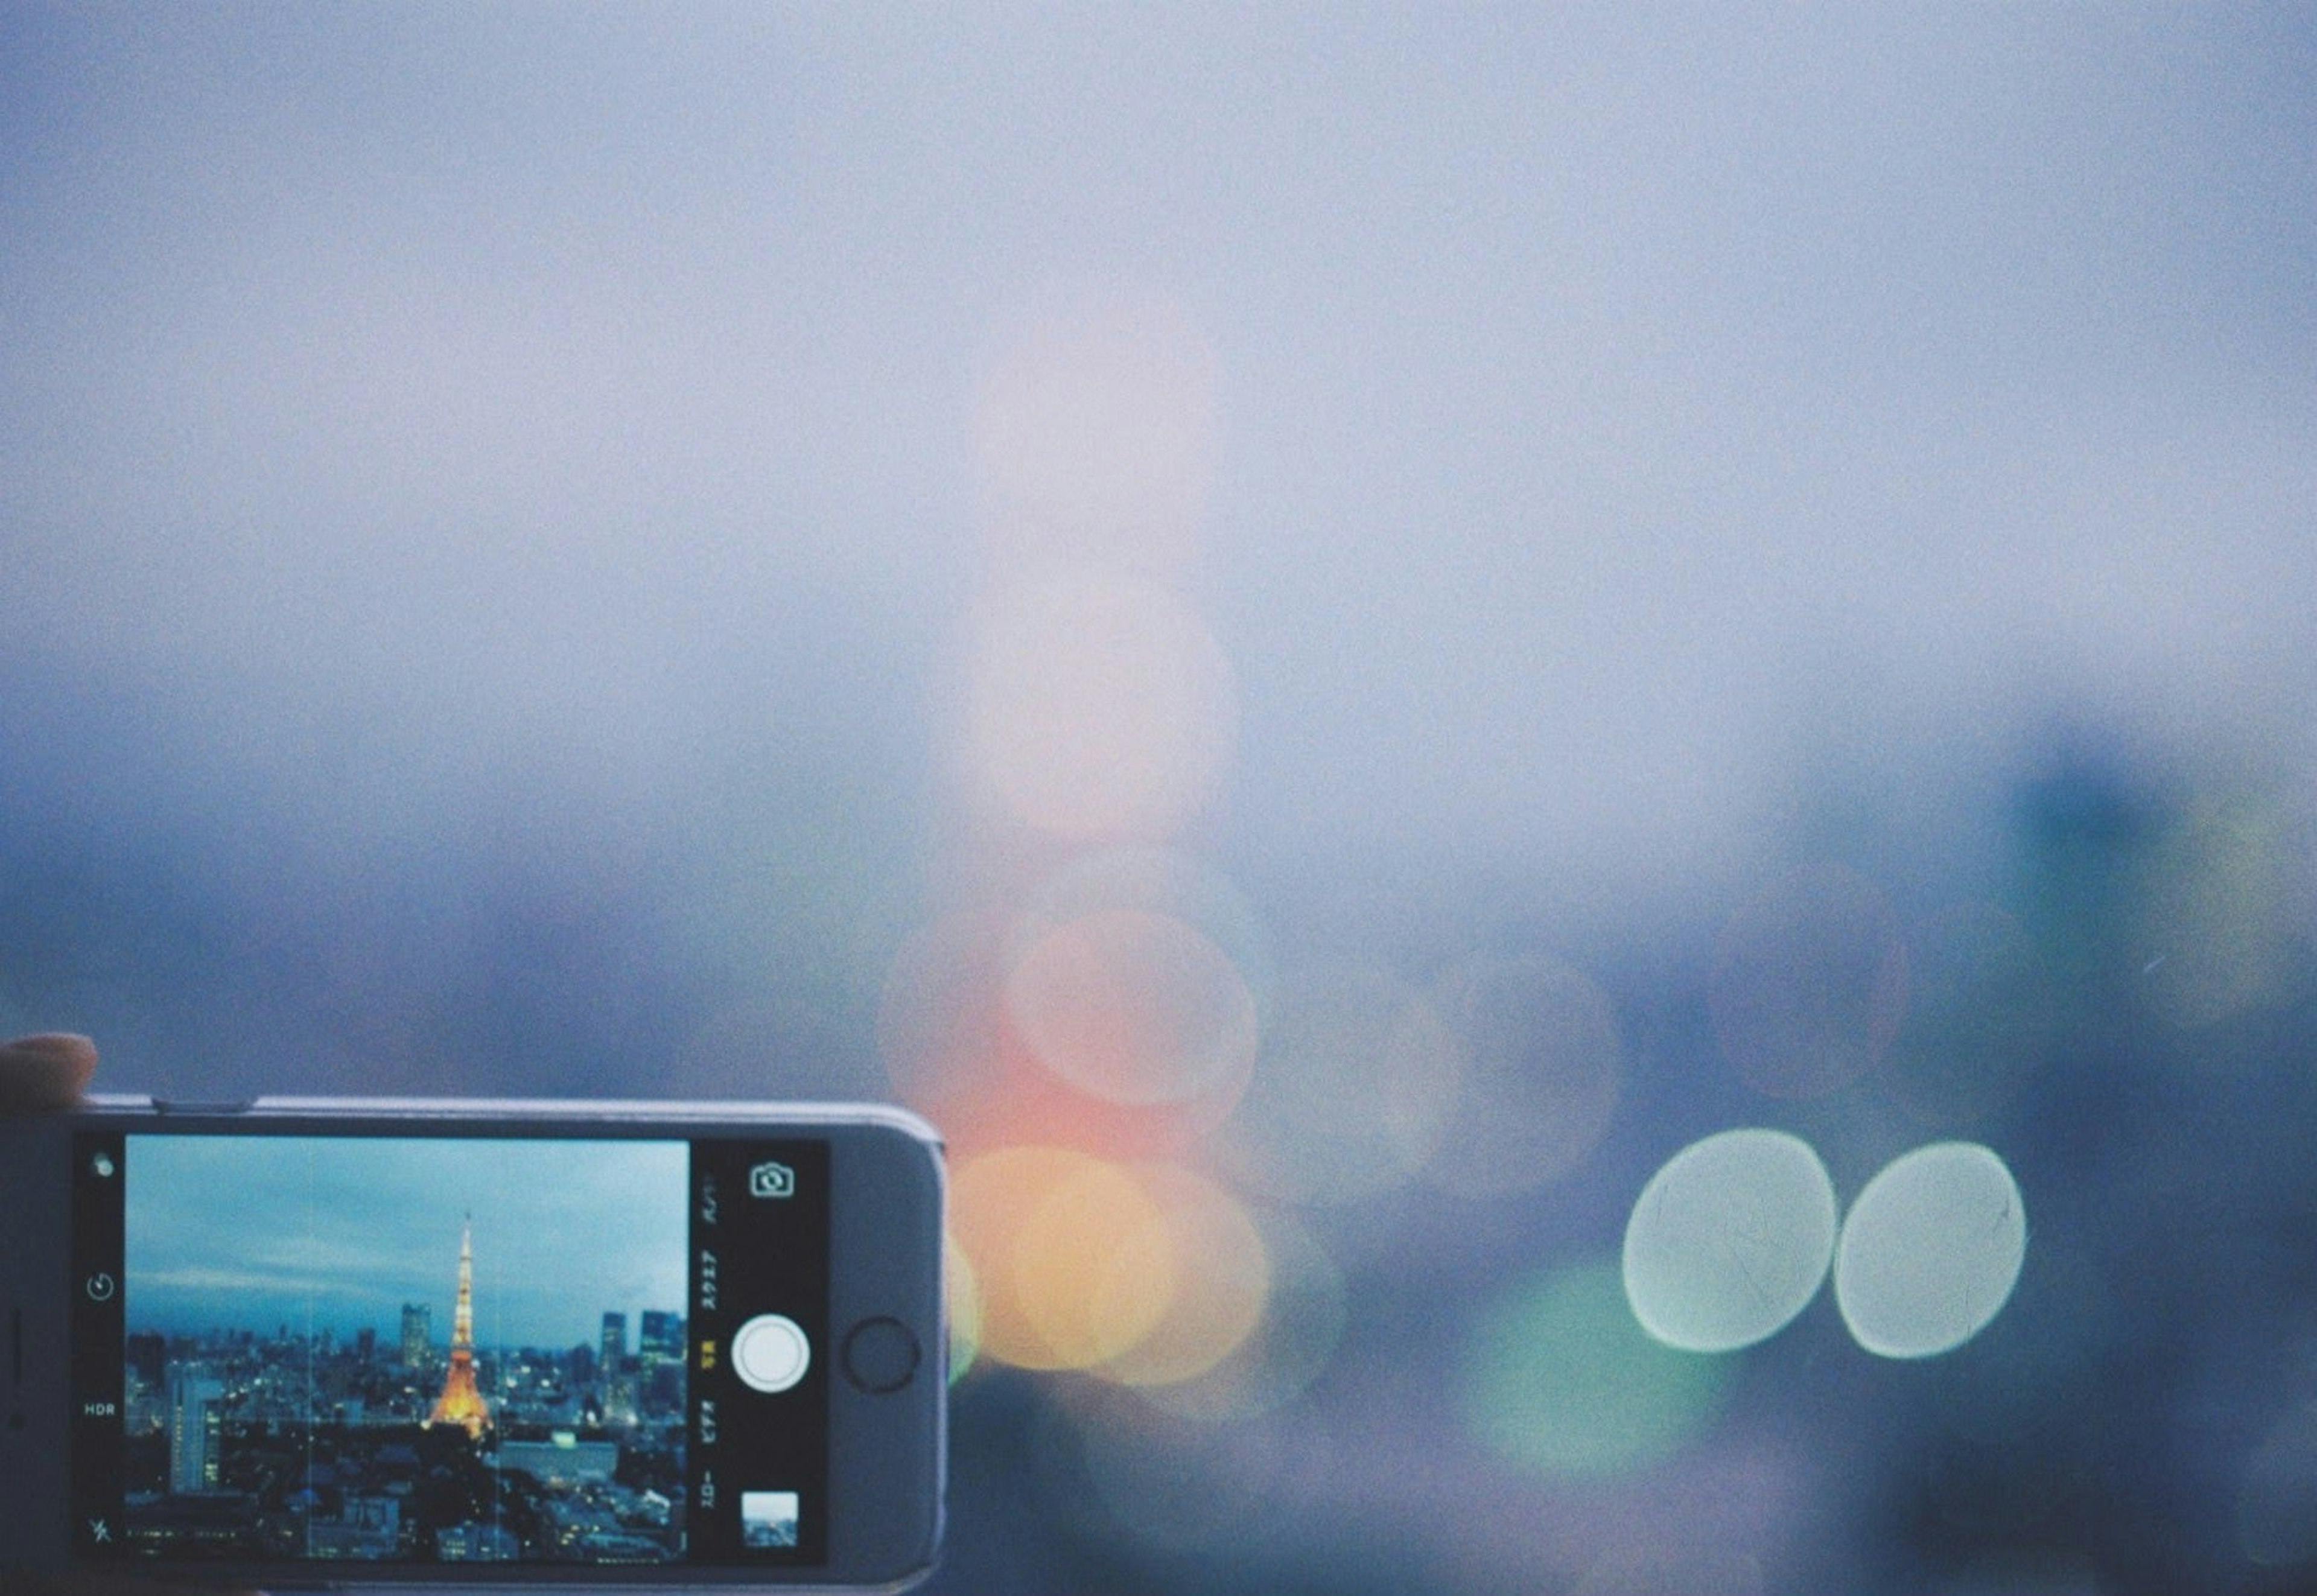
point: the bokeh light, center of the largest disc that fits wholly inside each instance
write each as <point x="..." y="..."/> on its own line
<point x="953" y="1055"/>
<point x="1809" y="982"/>
<point x="1541" y="1062"/>
<point x="1096" y="438"/>
<point x="1074" y="1258"/>
<point x="1351" y="1091"/>
<point x="1221" y="1281"/>
<point x="2225" y="915"/>
<point x="1133" y="1008"/>
<point x="1729" y="1240"/>
<point x="1156" y="879"/>
<point x="1930" y="1251"/>
<point x="1101" y="706"/>
<point x="1558" y="1378"/>
<point x="961" y="1303"/>
<point x="1980" y="1017"/>
<point x="1293" y="1340"/>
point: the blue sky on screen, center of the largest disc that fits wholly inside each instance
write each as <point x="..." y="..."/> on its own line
<point x="254" y="1233"/>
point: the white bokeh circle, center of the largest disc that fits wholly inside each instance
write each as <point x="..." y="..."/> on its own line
<point x="1729" y="1240"/>
<point x="1931" y="1251"/>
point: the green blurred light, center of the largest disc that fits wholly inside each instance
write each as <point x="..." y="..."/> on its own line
<point x="1558" y="1379"/>
<point x="963" y="1291"/>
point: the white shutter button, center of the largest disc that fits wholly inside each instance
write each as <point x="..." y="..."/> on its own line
<point x="770" y="1353"/>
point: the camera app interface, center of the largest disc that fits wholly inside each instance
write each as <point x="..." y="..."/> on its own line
<point x="470" y="1349"/>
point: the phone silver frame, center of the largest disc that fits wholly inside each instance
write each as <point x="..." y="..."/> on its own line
<point x="888" y="1452"/>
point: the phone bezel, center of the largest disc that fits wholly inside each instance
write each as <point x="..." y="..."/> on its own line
<point x="887" y="1457"/>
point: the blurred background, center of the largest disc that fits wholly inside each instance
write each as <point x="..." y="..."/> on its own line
<point x="1327" y="632"/>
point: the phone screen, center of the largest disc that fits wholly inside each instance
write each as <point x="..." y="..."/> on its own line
<point x="471" y="1349"/>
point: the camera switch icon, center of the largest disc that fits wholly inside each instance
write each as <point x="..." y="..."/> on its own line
<point x="772" y="1180"/>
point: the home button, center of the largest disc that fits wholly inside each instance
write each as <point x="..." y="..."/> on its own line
<point x="881" y="1355"/>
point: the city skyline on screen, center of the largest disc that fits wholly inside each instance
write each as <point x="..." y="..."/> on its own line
<point x="337" y="1234"/>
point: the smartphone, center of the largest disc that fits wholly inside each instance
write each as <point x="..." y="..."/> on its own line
<point x="301" y="1344"/>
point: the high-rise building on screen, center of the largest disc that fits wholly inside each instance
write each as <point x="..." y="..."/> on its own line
<point x="196" y="1422"/>
<point x="417" y="1335"/>
<point x="661" y="1338"/>
<point x="659" y="1358"/>
<point x="619" y="1390"/>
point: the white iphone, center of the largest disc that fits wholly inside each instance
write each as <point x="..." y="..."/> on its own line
<point x="315" y="1344"/>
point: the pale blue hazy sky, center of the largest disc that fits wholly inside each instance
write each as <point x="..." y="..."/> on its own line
<point x="434" y="406"/>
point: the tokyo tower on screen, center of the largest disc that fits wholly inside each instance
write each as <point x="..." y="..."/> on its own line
<point x="461" y="1403"/>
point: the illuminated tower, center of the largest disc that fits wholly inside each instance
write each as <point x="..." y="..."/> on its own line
<point x="461" y="1403"/>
